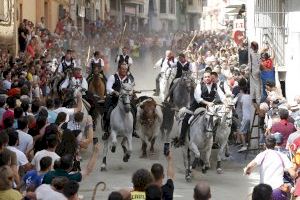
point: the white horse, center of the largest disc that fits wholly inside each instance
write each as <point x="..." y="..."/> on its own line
<point x="149" y="119"/>
<point x="165" y="82"/>
<point x="223" y="131"/>
<point x="199" y="141"/>
<point x="121" y="125"/>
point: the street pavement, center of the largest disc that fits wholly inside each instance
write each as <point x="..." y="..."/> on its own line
<point x="231" y="185"/>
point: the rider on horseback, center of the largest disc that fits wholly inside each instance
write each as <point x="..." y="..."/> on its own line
<point x="66" y="66"/>
<point x="124" y="57"/>
<point x="206" y="95"/>
<point x="164" y="64"/>
<point x="182" y="66"/>
<point x="67" y="63"/>
<point x="96" y="63"/>
<point x="76" y="81"/>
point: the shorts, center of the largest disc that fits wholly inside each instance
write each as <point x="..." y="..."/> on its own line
<point x="245" y="126"/>
<point x="236" y="124"/>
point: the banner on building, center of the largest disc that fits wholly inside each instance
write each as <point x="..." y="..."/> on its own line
<point x="129" y="10"/>
<point x="239" y="25"/>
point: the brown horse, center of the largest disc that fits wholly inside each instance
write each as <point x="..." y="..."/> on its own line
<point x="97" y="86"/>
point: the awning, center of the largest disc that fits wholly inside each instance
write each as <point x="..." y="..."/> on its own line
<point x="232" y="10"/>
<point x="141" y="2"/>
<point x="63" y="2"/>
<point x="235" y="3"/>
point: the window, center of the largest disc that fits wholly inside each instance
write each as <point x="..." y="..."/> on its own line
<point x="141" y="8"/>
<point x="190" y="2"/>
<point x="204" y="2"/>
<point x="163" y="6"/>
<point x="113" y="5"/>
<point x="172" y="6"/>
<point x="3" y="10"/>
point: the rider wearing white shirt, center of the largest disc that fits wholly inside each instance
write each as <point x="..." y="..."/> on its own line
<point x="76" y="81"/>
<point x="206" y="94"/>
<point x="95" y="62"/>
<point x="223" y="87"/>
<point x="67" y="62"/>
<point x="113" y="87"/>
<point x="164" y="64"/>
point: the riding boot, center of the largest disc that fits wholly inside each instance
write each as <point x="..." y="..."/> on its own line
<point x="184" y="128"/>
<point x="157" y="90"/>
<point x="106" y="133"/>
<point x="106" y="117"/>
<point x="133" y="111"/>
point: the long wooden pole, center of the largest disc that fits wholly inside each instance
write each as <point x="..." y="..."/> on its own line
<point x="187" y="48"/>
<point x="122" y="35"/>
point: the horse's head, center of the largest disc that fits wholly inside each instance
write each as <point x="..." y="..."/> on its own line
<point x="211" y="120"/>
<point x="187" y="80"/>
<point x="224" y="113"/>
<point x="125" y="96"/>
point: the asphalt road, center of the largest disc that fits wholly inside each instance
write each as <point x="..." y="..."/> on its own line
<point x="231" y="185"/>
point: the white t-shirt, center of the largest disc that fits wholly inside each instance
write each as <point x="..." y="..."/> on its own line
<point x="25" y="141"/>
<point x="41" y="154"/>
<point x="45" y="192"/>
<point x="68" y="111"/>
<point x="21" y="158"/>
<point x="246" y="106"/>
<point x="272" y="165"/>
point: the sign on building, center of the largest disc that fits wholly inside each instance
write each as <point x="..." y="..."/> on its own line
<point x="130" y="10"/>
<point x="239" y="25"/>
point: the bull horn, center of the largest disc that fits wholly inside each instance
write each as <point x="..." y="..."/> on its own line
<point x="158" y="104"/>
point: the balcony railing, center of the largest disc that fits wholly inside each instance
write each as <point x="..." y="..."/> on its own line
<point x="133" y="1"/>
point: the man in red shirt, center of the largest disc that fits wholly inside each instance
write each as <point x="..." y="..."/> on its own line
<point x="283" y="126"/>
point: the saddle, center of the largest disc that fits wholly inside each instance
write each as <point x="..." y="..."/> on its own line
<point x="197" y="113"/>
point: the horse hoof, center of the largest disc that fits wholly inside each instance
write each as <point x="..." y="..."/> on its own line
<point x="204" y="170"/>
<point x="103" y="168"/>
<point x="126" y="158"/>
<point x="220" y="171"/>
<point x="152" y="150"/>
<point x="227" y="155"/>
<point x="188" y="178"/>
<point x="113" y="149"/>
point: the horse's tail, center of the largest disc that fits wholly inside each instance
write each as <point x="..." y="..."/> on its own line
<point x="95" y="189"/>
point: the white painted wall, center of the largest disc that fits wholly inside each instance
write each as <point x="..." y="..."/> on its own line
<point x="293" y="50"/>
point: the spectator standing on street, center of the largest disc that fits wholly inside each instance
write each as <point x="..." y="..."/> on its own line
<point x="6" y="183"/>
<point x="272" y="165"/>
<point x="157" y="171"/>
<point x="262" y="192"/>
<point x="140" y="179"/>
<point x="202" y="191"/>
